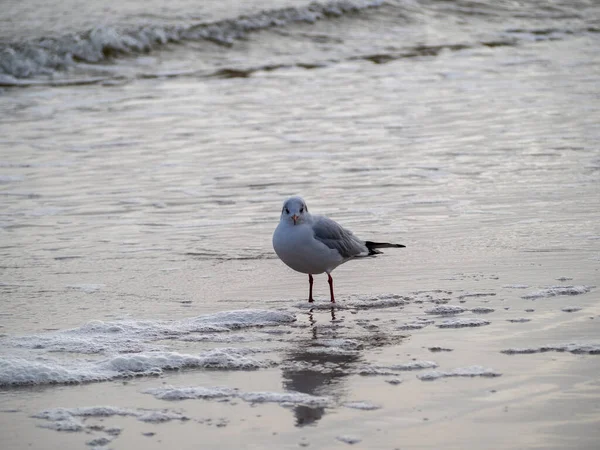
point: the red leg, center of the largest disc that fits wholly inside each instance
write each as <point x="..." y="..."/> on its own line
<point x="330" y="281"/>
<point x="310" y="283"/>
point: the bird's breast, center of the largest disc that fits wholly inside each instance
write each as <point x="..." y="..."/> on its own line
<point x="297" y="247"/>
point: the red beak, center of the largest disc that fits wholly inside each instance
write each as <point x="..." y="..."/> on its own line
<point x="295" y="218"/>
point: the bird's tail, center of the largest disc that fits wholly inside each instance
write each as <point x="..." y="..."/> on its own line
<point x="373" y="246"/>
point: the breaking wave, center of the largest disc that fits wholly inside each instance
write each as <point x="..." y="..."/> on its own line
<point x="48" y="55"/>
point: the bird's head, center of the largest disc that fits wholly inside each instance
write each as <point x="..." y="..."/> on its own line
<point x="294" y="211"/>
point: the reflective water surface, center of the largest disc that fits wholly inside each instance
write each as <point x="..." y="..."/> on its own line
<point x="467" y="131"/>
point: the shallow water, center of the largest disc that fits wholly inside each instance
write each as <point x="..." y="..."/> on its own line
<point x="137" y="209"/>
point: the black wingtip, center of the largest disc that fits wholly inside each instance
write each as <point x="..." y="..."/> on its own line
<point x="371" y="246"/>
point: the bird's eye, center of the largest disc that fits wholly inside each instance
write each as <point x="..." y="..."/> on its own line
<point x="301" y="210"/>
<point x="287" y="211"/>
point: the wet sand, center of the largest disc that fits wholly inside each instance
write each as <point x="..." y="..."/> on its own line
<point x="375" y="371"/>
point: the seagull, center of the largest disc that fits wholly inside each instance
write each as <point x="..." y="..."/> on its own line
<point x="315" y="244"/>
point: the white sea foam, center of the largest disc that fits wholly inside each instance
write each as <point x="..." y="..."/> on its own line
<point x="94" y="411"/>
<point x="85" y="344"/>
<point x="463" y="323"/>
<point x="572" y="347"/>
<point x="412" y="326"/>
<point x="134" y="336"/>
<point x="295" y="398"/>
<point x="160" y="416"/>
<point x="373" y="370"/>
<point x="413" y="365"/>
<point x="64" y="424"/>
<point x="67" y="419"/>
<point x="377" y="301"/>
<point x="553" y="291"/>
<point x="328" y="367"/>
<point x="393" y="368"/>
<point x="15" y="371"/>
<point x="416" y="324"/>
<point x="446" y="309"/>
<point x="321" y="306"/>
<point x="348" y="344"/>
<point x="476" y="294"/>
<point x="472" y="371"/>
<point x="182" y="393"/>
<point x="245" y="318"/>
<point x="335" y="347"/>
<point x="366" y="406"/>
<point x="330" y="351"/>
<point x="220" y="337"/>
<point x="360" y="302"/>
<point x="284" y="398"/>
<point x="155" y="363"/>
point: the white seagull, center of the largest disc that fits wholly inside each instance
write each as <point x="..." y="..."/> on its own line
<point x="316" y="244"/>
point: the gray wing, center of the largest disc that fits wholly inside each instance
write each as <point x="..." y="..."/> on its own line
<point x="336" y="237"/>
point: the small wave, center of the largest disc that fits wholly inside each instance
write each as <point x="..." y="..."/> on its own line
<point x="16" y="371"/>
<point x="48" y="55"/>
<point x="127" y="349"/>
<point x="129" y="336"/>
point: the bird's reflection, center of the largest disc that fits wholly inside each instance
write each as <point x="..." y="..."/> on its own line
<point x="311" y="315"/>
<point x="305" y="369"/>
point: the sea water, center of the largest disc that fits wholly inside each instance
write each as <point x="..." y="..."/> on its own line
<point x="146" y="150"/>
